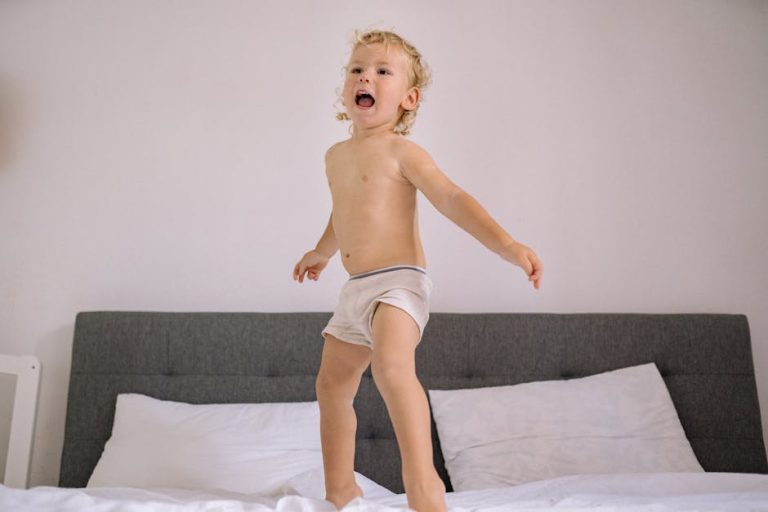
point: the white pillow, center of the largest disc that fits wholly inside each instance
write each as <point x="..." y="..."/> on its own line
<point x="621" y="421"/>
<point x="311" y="484"/>
<point x="245" y="448"/>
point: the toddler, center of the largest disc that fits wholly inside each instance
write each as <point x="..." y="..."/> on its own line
<point x="384" y="306"/>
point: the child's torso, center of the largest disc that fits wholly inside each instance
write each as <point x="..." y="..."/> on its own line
<point x="375" y="216"/>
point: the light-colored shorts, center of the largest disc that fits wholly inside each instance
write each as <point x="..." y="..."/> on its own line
<point x="407" y="287"/>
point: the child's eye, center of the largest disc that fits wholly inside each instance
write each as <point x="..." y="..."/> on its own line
<point x="381" y="71"/>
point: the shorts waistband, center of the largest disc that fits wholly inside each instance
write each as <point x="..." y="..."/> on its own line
<point x="388" y="269"/>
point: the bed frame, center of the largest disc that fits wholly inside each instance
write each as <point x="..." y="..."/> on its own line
<point x="200" y="357"/>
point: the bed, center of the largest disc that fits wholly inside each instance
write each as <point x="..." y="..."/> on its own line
<point x="242" y="358"/>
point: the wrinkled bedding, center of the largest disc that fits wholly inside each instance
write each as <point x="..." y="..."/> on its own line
<point x="620" y="492"/>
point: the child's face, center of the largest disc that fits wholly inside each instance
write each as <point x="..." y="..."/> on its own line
<point x="384" y="75"/>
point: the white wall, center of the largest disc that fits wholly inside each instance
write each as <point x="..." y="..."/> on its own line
<point x="169" y="156"/>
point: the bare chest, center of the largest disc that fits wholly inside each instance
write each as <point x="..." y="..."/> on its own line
<point x="365" y="179"/>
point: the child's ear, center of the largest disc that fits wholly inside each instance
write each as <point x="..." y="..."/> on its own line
<point x="412" y="99"/>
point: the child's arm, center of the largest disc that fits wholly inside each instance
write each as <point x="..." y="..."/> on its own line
<point x="467" y="213"/>
<point x="313" y="262"/>
<point x="327" y="246"/>
<point x="456" y="204"/>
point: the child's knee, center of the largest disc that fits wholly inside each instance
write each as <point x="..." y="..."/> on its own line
<point x="331" y="387"/>
<point x="392" y="372"/>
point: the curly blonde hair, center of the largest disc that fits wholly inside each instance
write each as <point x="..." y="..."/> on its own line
<point x="419" y="73"/>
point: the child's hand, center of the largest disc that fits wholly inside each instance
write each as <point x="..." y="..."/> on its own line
<point x="524" y="257"/>
<point x="312" y="263"/>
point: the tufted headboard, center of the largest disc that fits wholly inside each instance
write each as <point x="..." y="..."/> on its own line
<point x="705" y="359"/>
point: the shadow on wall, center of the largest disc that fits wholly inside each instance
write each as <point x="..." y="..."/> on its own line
<point x="10" y="124"/>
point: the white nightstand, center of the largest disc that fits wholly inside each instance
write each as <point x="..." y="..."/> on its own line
<point x="27" y="371"/>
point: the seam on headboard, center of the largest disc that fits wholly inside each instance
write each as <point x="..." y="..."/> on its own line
<point x="168" y="352"/>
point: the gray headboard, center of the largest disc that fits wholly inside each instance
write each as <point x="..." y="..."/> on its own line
<point x="705" y="359"/>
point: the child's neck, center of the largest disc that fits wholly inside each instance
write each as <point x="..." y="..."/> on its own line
<point x="378" y="132"/>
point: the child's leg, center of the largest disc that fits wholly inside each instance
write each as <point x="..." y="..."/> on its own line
<point x="393" y="365"/>
<point x="338" y="379"/>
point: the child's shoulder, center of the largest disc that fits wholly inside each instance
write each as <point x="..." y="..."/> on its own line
<point x="402" y="144"/>
<point x="408" y="152"/>
<point x="334" y="148"/>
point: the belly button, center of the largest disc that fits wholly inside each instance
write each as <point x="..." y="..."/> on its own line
<point x="347" y="255"/>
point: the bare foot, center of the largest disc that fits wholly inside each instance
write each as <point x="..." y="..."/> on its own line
<point x="341" y="497"/>
<point x="427" y="495"/>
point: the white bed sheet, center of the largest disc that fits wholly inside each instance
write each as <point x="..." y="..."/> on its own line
<point x="624" y="492"/>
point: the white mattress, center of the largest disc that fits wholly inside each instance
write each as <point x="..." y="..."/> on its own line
<point x="625" y="492"/>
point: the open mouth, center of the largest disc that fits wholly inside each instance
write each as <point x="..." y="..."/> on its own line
<point x="364" y="99"/>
